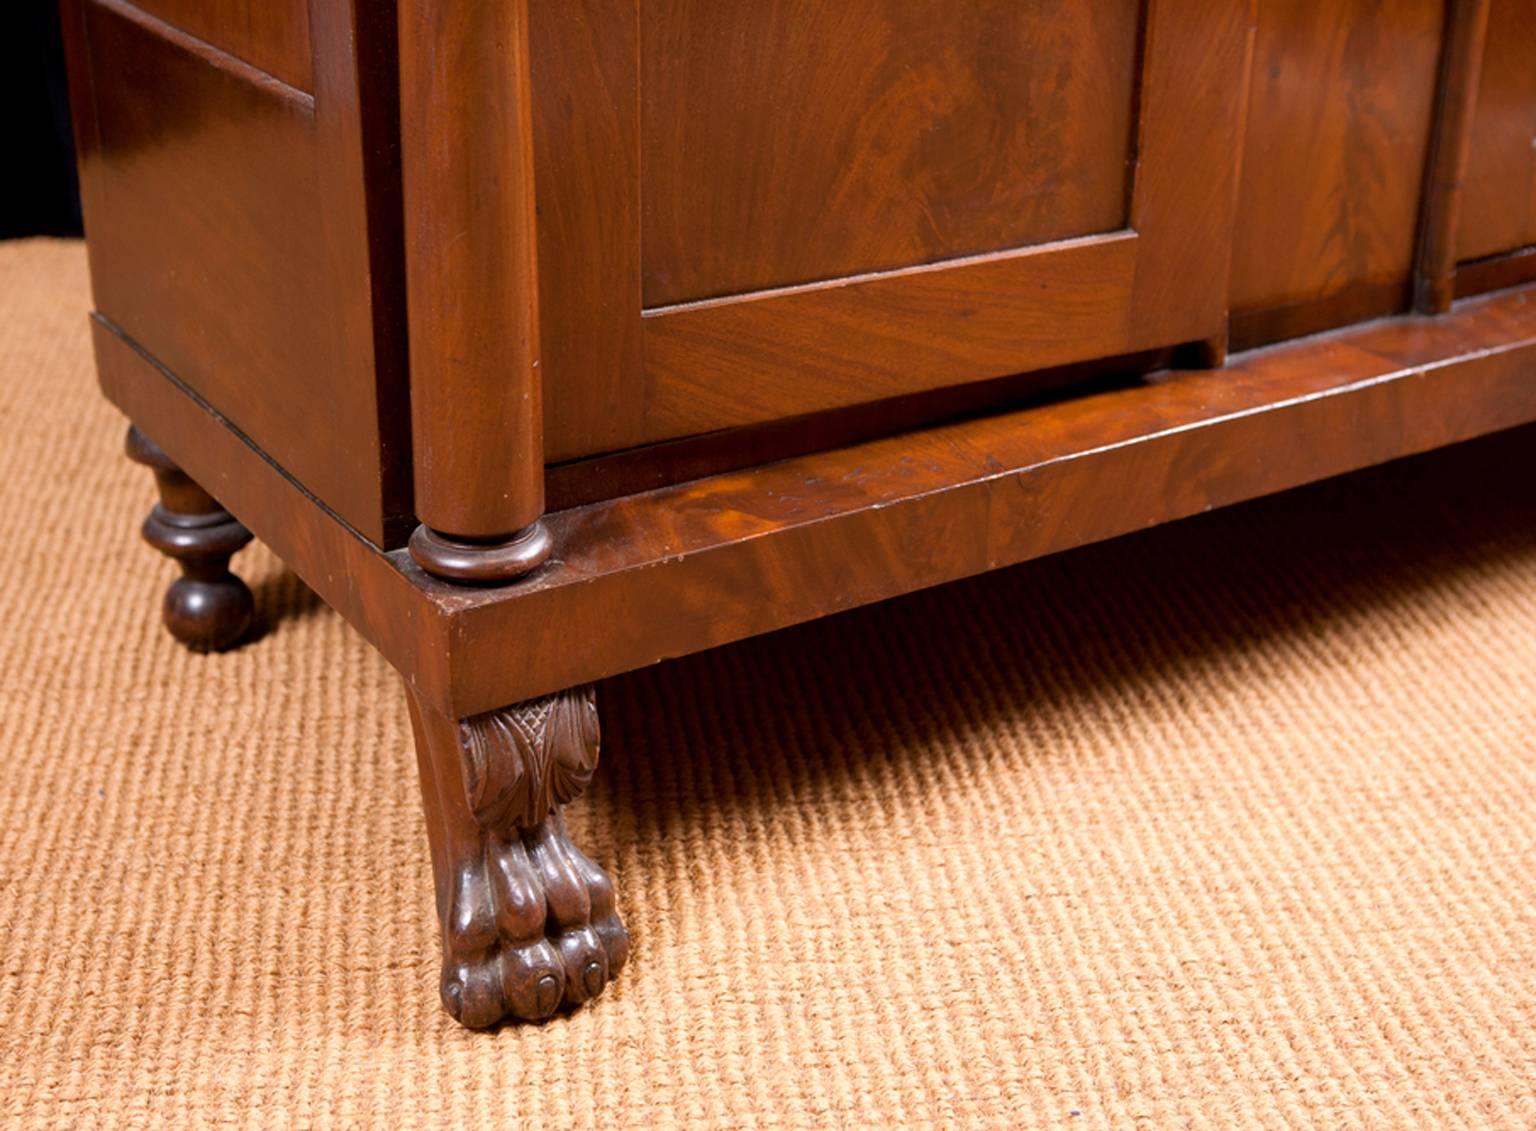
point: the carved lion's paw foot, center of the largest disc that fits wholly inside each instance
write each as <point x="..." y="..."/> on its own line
<point x="532" y="927"/>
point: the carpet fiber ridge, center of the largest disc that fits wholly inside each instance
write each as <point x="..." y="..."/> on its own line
<point x="1227" y="824"/>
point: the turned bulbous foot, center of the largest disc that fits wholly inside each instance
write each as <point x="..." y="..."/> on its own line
<point x="208" y="608"/>
<point x="208" y="616"/>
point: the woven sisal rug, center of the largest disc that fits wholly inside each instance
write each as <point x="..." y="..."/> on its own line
<point x="1232" y="824"/>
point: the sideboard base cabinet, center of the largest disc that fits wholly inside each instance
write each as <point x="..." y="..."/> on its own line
<point x="547" y="341"/>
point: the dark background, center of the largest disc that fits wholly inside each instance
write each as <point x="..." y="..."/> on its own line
<point x="39" y="195"/>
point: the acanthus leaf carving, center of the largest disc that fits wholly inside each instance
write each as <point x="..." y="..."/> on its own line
<point x="520" y="763"/>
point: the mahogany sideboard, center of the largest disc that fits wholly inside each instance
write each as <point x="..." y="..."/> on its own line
<point x="546" y="339"/>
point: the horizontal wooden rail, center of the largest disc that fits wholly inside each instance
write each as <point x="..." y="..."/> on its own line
<point x="684" y="568"/>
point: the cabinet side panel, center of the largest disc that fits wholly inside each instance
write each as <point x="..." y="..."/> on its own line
<point x="271" y="35"/>
<point x="1339" y="124"/>
<point x="213" y="227"/>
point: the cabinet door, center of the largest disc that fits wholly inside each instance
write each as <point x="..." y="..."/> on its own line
<point x="1340" y="116"/>
<point x="754" y="209"/>
<point x="1498" y="211"/>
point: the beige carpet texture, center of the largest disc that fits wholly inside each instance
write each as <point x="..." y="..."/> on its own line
<point x="1227" y="824"/>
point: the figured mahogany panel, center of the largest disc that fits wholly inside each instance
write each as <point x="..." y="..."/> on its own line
<point x="786" y="142"/>
<point x="1338" y="132"/>
<point x="587" y="168"/>
<point x="744" y="359"/>
<point x="1499" y="194"/>
<point x="271" y="35"/>
<point x="619" y="374"/>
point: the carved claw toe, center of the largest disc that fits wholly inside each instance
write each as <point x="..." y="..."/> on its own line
<point x="529" y="922"/>
<point x="532" y="927"/>
<point x="592" y="941"/>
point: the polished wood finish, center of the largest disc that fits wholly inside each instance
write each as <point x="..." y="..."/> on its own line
<point x="492" y="561"/>
<point x="816" y="347"/>
<point x="1460" y="66"/>
<point x="550" y="340"/>
<point x="1339" y="119"/>
<point x="663" y="465"/>
<point x="1358" y="303"/>
<point x="271" y="35"/>
<point x="922" y="112"/>
<point x="738" y="554"/>
<point x="529" y="923"/>
<point x="207" y="608"/>
<point x="587" y="160"/>
<point x="895" y="321"/>
<point x="587" y="135"/>
<point x="237" y="234"/>
<point x="685" y="568"/>
<point x="472" y="287"/>
<point x="1499" y="215"/>
<point x="1496" y="272"/>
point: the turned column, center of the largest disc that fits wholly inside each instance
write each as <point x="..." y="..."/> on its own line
<point x="1461" y="64"/>
<point x="208" y="608"/>
<point x="472" y="289"/>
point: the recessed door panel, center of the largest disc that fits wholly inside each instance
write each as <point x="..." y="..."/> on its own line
<point x="788" y="142"/>
<point x="756" y="209"/>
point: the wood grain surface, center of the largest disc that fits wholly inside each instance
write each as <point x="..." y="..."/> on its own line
<point x="1500" y="211"/>
<point x="773" y="133"/>
<point x="1461" y="63"/>
<point x="685" y="568"/>
<point x="1161" y="281"/>
<point x="238" y="233"/>
<point x="272" y="35"/>
<point x="679" y="167"/>
<point x="471" y="266"/>
<point x="1333" y="164"/>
